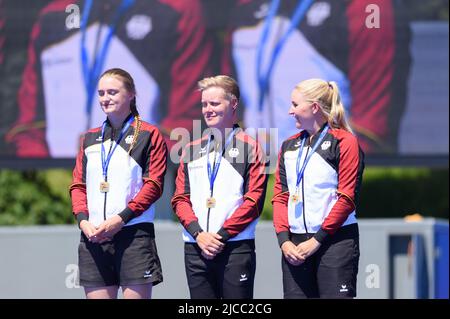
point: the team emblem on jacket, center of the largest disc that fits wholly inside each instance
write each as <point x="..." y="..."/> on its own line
<point x="129" y="139"/>
<point x="139" y="26"/>
<point x="325" y="145"/>
<point x="234" y="152"/>
<point x="202" y="150"/>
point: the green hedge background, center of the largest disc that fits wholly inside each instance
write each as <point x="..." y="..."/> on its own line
<point x="41" y="197"/>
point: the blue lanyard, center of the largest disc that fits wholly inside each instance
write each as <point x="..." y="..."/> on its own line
<point x="106" y="159"/>
<point x="92" y="73"/>
<point x="302" y="170"/>
<point x="263" y="79"/>
<point x="212" y="172"/>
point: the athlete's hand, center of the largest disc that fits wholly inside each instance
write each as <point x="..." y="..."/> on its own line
<point x="309" y="247"/>
<point x="109" y="228"/>
<point x="210" y="244"/>
<point x="88" y="229"/>
<point x="291" y="253"/>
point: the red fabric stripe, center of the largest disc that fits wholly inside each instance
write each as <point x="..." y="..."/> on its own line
<point x="30" y="141"/>
<point x="58" y="6"/>
<point x="27" y="96"/>
<point x="280" y="196"/>
<point x="249" y="210"/>
<point x="153" y="185"/>
<point x="181" y="203"/>
<point x="348" y="175"/>
<point x="190" y="65"/>
<point x="371" y="59"/>
<point x="280" y="201"/>
<point x="77" y="189"/>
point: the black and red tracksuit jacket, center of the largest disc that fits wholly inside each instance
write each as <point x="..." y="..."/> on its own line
<point x="239" y="188"/>
<point x="136" y="180"/>
<point x="329" y="190"/>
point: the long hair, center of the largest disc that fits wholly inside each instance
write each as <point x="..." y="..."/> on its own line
<point x="128" y="82"/>
<point x="327" y="96"/>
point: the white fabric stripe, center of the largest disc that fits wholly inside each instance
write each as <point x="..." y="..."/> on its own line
<point x="320" y="192"/>
<point x="228" y="192"/>
<point x="125" y="180"/>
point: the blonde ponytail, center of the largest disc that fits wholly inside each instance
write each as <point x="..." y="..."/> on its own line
<point x="326" y="94"/>
<point x="337" y="118"/>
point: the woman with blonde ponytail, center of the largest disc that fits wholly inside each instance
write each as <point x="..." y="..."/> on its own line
<point x="118" y="177"/>
<point x="317" y="184"/>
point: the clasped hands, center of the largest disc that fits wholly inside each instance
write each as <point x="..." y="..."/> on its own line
<point x="297" y="254"/>
<point x="104" y="232"/>
<point x="210" y="244"/>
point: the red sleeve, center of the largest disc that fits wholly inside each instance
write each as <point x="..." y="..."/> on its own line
<point x="371" y="59"/>
<point x="78" y="187"/>
<point x="190" y="65"/>
<point x="153" y="178"/>
<point x="350" y="173"/>
<point x="280" y="201"/>
<point x="280" y="198"/>
<point x="28" y="132"/>
<point x="181" y="202"/>
<point x="255" y="191"/>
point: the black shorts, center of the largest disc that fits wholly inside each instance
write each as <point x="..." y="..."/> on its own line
<point x="130" y="258"/>
<point x="230" y="275"/>
<point x="330" y="272"/>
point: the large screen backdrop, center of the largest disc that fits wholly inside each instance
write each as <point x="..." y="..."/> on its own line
<point x="390" y="63"/>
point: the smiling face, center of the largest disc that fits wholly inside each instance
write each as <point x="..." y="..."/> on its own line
<point x="303" y="111"/>
<point x="218" y="110"/>
<point x="113" y="96"/>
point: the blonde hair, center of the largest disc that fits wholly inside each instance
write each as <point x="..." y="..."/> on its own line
<point x="128" y="82"/>
<point x="228" y="84"/>
<point x="327" y="96"/>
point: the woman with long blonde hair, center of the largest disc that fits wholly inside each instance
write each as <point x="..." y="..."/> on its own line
<point x="317" y="184"/>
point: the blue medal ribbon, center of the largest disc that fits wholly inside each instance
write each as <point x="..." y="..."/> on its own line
<point x="92" y="73"/>
<point x="263" y="79"/>
<point x="212" y="172"/>
<point x="301" y="171"/>
<point x="106" y="159"/>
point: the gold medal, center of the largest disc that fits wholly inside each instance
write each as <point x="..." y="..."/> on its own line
<point x="210" y="202"/>
<point x="294" y="199"/>
<point x="104" y="187"/>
